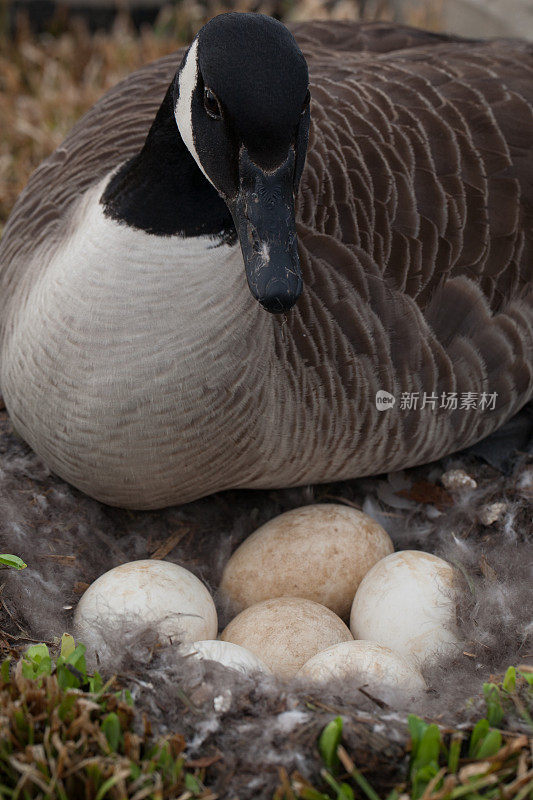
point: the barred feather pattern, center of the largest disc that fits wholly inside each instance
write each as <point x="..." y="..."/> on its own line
<point x="415" y="226"/>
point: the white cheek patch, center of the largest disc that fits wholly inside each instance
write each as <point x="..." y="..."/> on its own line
<point x="183" y="111"/>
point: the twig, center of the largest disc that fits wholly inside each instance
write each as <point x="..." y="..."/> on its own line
<point x="511" y="788"/>
<point x="170" y="544"/>
<point x="380" y="703"/>
<point x="341" y="500"/>
<point x="433" y="783"/>
<point x="358" y="777"/>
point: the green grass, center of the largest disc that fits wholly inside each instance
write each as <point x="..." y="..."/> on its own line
<point x="484" y="763"/>
<point x="65" y="733"/>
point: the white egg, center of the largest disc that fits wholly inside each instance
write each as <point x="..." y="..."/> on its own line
<point x="285" y="632"/>
<point x="384" y="673"/>
<point x="320" y="552"/>
<point x="226" y="653"/>
<point x="406" y="602"/>
<point x="141" y="593"/>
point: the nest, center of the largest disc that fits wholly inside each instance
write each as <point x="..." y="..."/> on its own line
<point x="247" y="729"/>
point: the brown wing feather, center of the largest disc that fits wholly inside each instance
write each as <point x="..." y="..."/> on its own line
<point x="421" y="166"/>
<point x="435" y="143"/>
<point x="337" y="36"/>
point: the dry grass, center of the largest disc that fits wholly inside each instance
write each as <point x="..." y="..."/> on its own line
<point x="67" y="743"/>
<point x="47" y="83"/>
<point x="64" y="735"/>
<point x="508" y="775"/>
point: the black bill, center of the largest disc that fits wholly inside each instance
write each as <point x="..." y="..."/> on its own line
<point x="263" y="213"/>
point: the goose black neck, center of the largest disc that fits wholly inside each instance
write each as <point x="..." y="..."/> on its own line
<point x="162" y="191"/>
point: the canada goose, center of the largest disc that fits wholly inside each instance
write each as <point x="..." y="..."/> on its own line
<point x="135" y="359"/>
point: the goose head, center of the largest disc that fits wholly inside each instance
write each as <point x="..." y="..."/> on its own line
<point x="241" y="104"/>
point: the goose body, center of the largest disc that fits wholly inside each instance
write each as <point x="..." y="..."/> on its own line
<point x="135" y="358"/>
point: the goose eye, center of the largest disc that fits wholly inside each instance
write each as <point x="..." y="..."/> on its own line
<point x="211" y="104"/>
<point x="306" y="101"/>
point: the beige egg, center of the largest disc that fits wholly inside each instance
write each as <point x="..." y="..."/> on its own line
<point x="285" y="632"/>
<point x="407" y="602"/>
<point x="141" y="593"/>
<point x="384" y="673"/>
<point x="320" y="552"/>
<point x="226" y="653"/>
